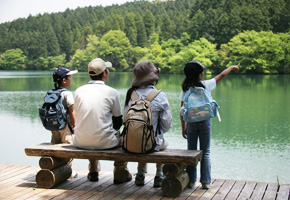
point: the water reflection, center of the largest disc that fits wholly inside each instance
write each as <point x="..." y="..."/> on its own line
<point x="251" y="142"/>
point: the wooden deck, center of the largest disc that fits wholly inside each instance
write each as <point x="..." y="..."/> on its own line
<point x="18" y="182"/>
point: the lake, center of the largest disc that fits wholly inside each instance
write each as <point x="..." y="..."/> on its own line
<point x="252" y="142"/>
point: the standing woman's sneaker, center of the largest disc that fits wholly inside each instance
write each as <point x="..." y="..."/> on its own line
<point x="205" y="186"/>
<point x="158" y="181"/>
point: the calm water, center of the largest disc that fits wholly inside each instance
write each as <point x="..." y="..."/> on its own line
<point x="251" y="143"/>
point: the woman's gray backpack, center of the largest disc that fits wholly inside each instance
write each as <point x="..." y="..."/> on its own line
<point x="53" y="115"/>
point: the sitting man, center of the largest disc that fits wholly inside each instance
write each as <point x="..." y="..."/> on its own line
<point x="98" y="119"/>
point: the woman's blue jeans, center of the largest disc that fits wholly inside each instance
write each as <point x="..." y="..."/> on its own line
<point x="202" y="131"/>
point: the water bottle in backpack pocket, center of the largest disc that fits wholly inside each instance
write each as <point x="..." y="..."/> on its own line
<point x="53" y="115"/>
<point x="198" y="105"/>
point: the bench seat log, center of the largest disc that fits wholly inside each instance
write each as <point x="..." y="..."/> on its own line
<point x="174" y="160"/>
<point x="182" y="157"/>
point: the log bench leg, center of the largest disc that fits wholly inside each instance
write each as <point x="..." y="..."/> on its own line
<point x="176" y="180"/>
<point x="53" y="172"/>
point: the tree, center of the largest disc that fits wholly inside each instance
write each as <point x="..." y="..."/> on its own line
<point x="115" y="47"/>
<point x="201" y="50"/>
<point x="13" y="59"/>
<point x="118" y="23"/>
<point x="81" y="58"/>
<point x="149" y="23"/>
<point x="259" y="52"/>
<point x="37" y="46"/>
<point x="196" y="25"/>
<point x="141" y="31"/>
<point x="166" y="28"/>
<point x="130" y="28"/>
<point x="66" y="41"/>
<point x="53" y="46"/>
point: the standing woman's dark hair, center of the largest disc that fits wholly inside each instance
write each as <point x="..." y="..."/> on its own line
<point x="192" y="70"/>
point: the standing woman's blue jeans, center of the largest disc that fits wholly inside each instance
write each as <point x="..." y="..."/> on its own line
<point x="202" y="131"/>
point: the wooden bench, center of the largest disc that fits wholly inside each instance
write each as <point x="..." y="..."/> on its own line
<point x="55" y="167"/>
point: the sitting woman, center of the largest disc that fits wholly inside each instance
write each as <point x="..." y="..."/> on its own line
<point x="146" y="76"/>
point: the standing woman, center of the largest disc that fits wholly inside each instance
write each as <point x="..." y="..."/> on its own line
<point x="192" y="131"/>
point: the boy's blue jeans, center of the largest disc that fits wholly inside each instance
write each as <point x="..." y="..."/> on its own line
<point x="202" y="131"/>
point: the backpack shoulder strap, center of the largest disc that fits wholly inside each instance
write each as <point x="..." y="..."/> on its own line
<point x="62" y="89"/>
<point x="152" y="95"/>
<point x="134" y="96"/>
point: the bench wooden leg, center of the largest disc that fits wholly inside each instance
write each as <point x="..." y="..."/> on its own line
<point x="51" y="162"/>
<point x="53" y="172"/>
<point x="176" y="180"/>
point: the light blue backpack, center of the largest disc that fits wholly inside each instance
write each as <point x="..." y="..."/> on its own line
<point x="198" y="105"/>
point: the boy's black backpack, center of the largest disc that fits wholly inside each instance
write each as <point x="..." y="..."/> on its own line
<point x="53" y="115"/>
<point x="138" y="134"/>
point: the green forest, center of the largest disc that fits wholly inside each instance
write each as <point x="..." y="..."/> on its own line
<point x="218" y="33"/>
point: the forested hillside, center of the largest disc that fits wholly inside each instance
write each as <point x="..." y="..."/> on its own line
<point x="254" y="33"/>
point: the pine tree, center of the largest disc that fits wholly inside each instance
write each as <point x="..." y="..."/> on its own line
<point x="166" y="28"/>
<point x="149" y="23"/>
<point x="130" y="28"/>
<point x="53" y="46"/>
<point x="141" y="31"/>
<point x="66" y="39"/>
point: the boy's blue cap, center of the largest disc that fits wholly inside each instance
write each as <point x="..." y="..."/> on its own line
<point x="62" y="72"/>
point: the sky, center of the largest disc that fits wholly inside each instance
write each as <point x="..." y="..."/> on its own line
<point x="14" y="9"/>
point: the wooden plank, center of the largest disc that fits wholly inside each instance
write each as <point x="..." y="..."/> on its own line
<point x="97" y="187"/>
<point x="236" y="190"/>
<point x="259" y="191"/>
<point x="59" y="189"/>
<point x="23" y="186"/>
<point x="271" y="191"/>
<point x="4" y="167"/>
<point x="224" y="190"/>
<point x="157" y="196"/>
<point x="75" y="188"/>
<point x="118" y="188"/>
<point x="198" y="192"/>
<point x="141" y="190"/>
<point x="14" y="170"/>
<point x="120" y="191"/>
<point x="247" y="190"/>
<point x="284" y="192"/>
<point x="86" y="187"/>
<point x="22" y="189"/>
<point x="11" y="176"/>
<point x="210" y="193"/>
<point x="16" y="185"/>
<point x="50" y="193"/>
<point x="28" y="175"/>
<point x="183" y="157"/>
<point x="187" y="192"/>
<point x="33" y="190"/>
<point x="150" y="193"/>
